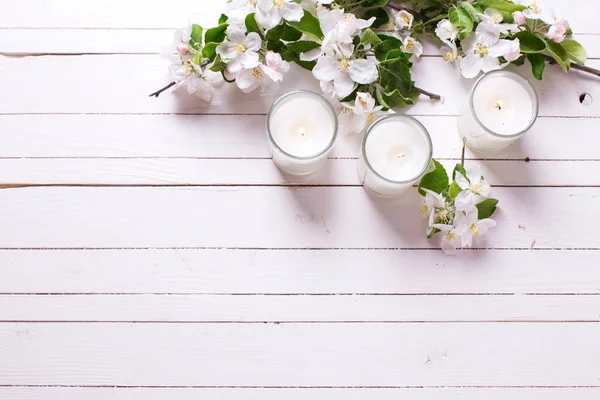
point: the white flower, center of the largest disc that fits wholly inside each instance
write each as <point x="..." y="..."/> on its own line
<point x="519" y="18"/>
<point x="537" y="9"/>
<point x="354" y="117"/>
<point x="474" y="189"/>
<point x="410" y="45"/>
<point x="240" y="50"/>
<point x="313" y="5"/>
<point x="276" y="63"/>
<point x="557" y="32"/>
<point x="238" y="10"/>
<point x="270" y="12"/>
<point x="446" y="31"/>
<point x="403" y="19"/>
<point x="250" y="79"/>
<point x="482" y="54"/>
<point x="451" y="239"/>
<point x="179" y="50"/>
<point x="339" y="67"/>
<point x="432" y="202"/>
<point x="198" y="82"/>
<point x="469" y="225"/>
<point x="450" y="54"/>
<point x="491" y="26"/>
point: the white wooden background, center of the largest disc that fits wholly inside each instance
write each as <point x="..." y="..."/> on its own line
<point x="149" y="249"/>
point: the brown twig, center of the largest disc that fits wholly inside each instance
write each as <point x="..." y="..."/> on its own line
<point x="575" y="66"/>
<point x="432" y="96"/>
<point x="159" y="91"/>
<point x="462" y="157"/>
<point x="422" y="17"/>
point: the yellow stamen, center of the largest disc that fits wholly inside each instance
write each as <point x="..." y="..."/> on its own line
<point x="449" y="57"/>
<point x="240" y="49"/>
<point x="474" y="229"/>
<point x="277" y="3"/>
<point x="343" y="65"/>
<point x="371" y="118"/>
<point x="424" y="210"/>
<point x="409" y="45"/>
<point x="482" y="50"/>
<point x="477" y="187"/>
<point x="405" y="19"/>
<point x="450" y="236"/>
<point x="257" y="74"/>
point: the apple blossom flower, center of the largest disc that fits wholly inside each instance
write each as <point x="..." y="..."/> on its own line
<point x="519" y="17"/>
<point x="237" y="11"/>
<point x="354" y="117"/>
<point x="449" y="52"/>
<point x="269" y="13"/>
<point x="433" y="203"/>
<point x="198" y="82"/>
<point x="469" y="225"/>
<point x="403" y="19"/>
<point x="537" y="9"/>
<point x="558" y="30"/>
<point x="313" y="5"/>
<point x="446" y="31"/>
<point x="240" y="51"/>
<point x="338" y="65"/>
<point x="474" y="188"/>
<point x="250" y="79"/>
<point x="410" y="45"/>
<point x="482" y="53"/>
<point x="491" y="26"/>
<point x="178" y="51"/>
<point x="276" y="63"/>
<point x="451" y="239"/>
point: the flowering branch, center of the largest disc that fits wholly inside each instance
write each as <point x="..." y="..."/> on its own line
<point x="424" y="92"/>
<point x="575" y="66"/>
<point x="159" y="91"/>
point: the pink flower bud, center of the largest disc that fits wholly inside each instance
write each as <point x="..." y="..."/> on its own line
<point x="273" y="59"/>
<point x="519" y="17"/>
<point x="557" y="32"/>
<point x="183" y="48"/>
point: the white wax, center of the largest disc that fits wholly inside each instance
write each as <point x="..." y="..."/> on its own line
<point x="397" y="149"/>
<point x="302" y="126"/>
<point x="503" y="105"/>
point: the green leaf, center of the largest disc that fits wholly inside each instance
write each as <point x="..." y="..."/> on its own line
<point x="470" y="9"/>
<point x="292" y="51"/>
<point x="487" y="208"/>
<point x="395" y="74"/>
<point x="196" y="36"/>
<point x="538" y="65"/>
<point x="370" y="37"/>
<point x="454" y="190"/>
<point x="519" y="61"/>
<point x="283" y="32"/>
<point x="506" y="7"/>
<point x="374" y="3"/>
<point x="309" y="24"/>
<point x="461" y="169"/>
<point x="218" y="65"/>
<point x="559" y="54"/>
<point x="388" y="44"/>
<point x="530" y="43"/>
<point x="436" y="181"/>
<point x="381" y="17"/>
<point x="461" y="19"/>
<point x="575" y="51"/>
<point x="223" y="18"/>
<point x="396" y="99"/>
<point x="215" y="35"/>
<point x="210" y="50"/>
<point x="252" y="25"/>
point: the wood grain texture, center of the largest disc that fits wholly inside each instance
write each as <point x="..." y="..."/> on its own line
<point x="202" y="172"/>
<point x="60" y="393"/>
<point x="302" y="308"/>
<point x="191" y="271"/>
<point x="243" y="136"/>
<point x="117" y="84"/>
<point x="277" y="217"/>
<point x="366" y="354"/>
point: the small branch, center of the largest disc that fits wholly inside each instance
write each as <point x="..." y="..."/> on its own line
<point x="417" y="14"/>
<point x="462" y="157"/>
<point x="578" y="67"/>
<point x="432" y="96"/>
<point x="159" y="91"/>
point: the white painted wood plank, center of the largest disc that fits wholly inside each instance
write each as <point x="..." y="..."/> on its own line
<point x="118" y="84"/>
<point x="366" y="354"/>
<point x="62" y="393"/>
<point x="302" y="308"/>
<point x="222" y="136"/>
<point x="141" y="14"/>
<point x="337" y="172"/>
<point x="277" y="217"/>
<point x="28" y="41"/>
<point x="192" y="271"/>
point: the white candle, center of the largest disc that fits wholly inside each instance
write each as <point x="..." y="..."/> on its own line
<point x="502" y="107"/>
<point x="302" y="127"/>
<point x="396" y="153"/>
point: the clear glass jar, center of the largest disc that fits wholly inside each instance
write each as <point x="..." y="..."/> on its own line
<point x="301" y="127"/>
<point x="512" y="89"/>
<point x="395" y="154"/>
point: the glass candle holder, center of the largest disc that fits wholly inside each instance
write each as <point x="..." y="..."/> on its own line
<point x="396" y="152"/>
<point x="301" y="127"/>
<point x="502" y="107"/>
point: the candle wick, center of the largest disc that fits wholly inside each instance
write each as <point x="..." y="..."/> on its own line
<point x="302" y="131"/>
<point x="499" y="104"/>
<point x="400" y="155"/>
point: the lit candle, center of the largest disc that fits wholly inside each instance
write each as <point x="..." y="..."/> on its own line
<point x="302" y="127"/>
<point x="502" y="107"/>
<point x="396" y="153"/>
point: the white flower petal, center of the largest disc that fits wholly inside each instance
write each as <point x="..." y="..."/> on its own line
<point x="471" y="66"/>
<point x="484" y="225"/>
<point x="464" y="200"/>
<point x="363" y="71"/>
<point x="462" y="181"/>
<point x="227" y="50"/>
<point x="291" y="11"/>
<point x="249" y="59"/>
<point x="326" y="69"/>
<point x="253" y="41"/>
<point x="311" y="55"/>
<point x="343" y="85"/>
<point x="490" y="64"/>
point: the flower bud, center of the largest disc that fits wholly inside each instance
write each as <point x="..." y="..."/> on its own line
<point x="183" y="48"/>
<point x="519" y="17"/>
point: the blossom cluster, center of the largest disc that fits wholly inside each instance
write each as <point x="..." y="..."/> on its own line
<point x="460" y="211"/>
